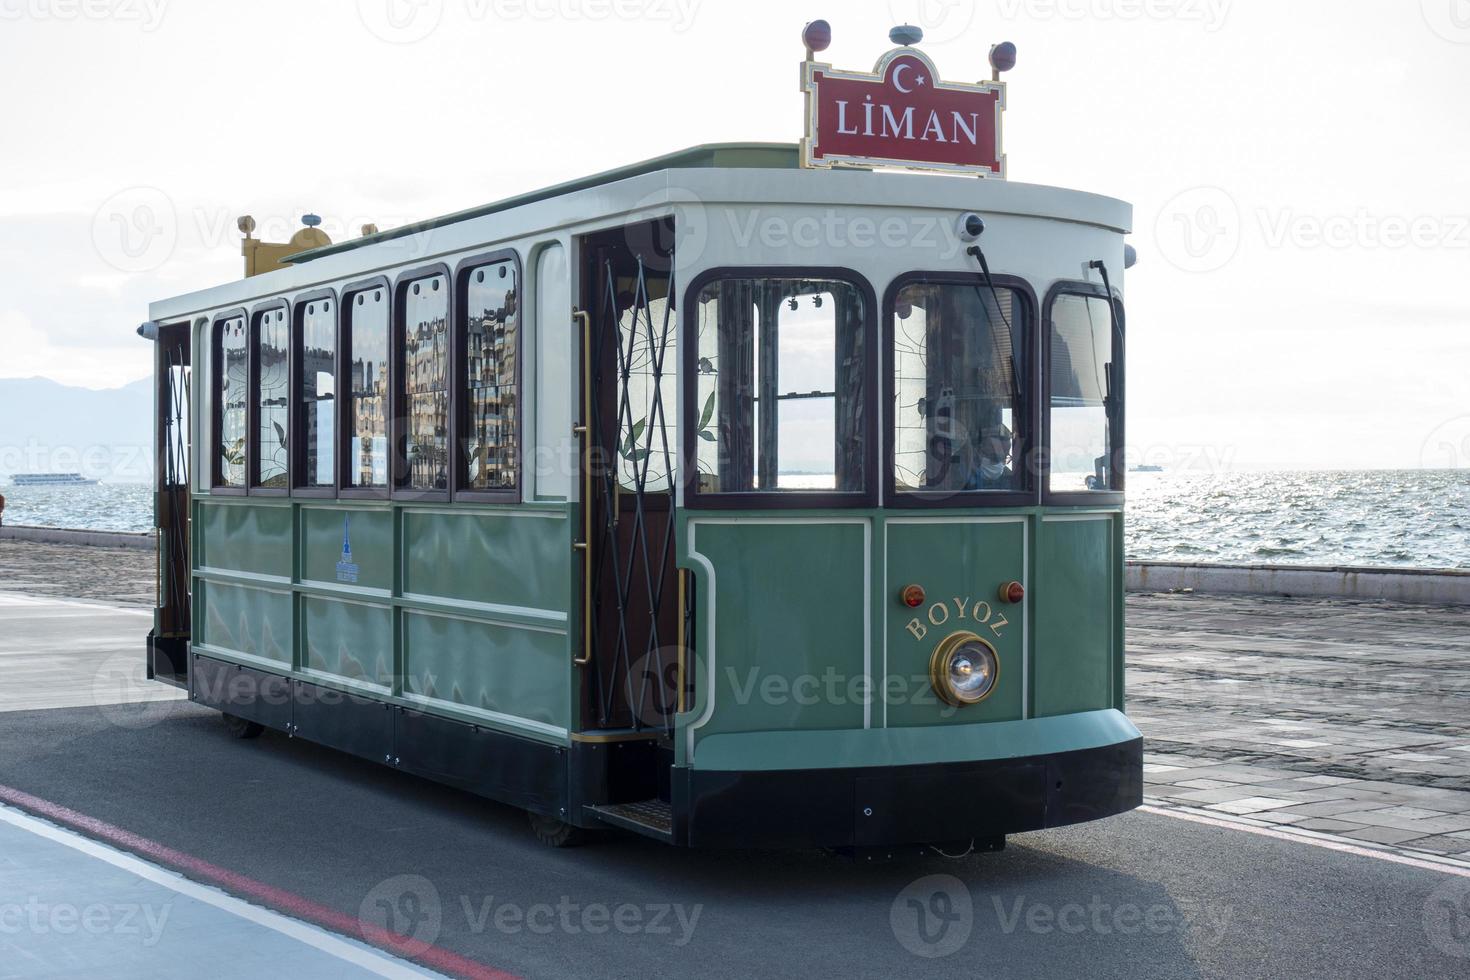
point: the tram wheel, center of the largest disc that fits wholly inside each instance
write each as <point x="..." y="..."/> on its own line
<point x="240" y="728"/>
<point x="557" y="833"/>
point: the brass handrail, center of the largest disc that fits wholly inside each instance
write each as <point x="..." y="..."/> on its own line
<point x="683" y="651"/>
<point x="585" y="545"/>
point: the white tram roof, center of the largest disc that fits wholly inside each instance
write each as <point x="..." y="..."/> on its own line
<point x="739" y="174"/>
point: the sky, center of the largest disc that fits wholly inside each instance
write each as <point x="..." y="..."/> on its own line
<point x="1300" y="172"/>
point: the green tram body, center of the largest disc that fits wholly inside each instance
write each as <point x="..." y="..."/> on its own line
<point x="446" y="633"/>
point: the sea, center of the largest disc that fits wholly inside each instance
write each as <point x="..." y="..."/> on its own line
<point x="1406" y="518"/>
<point x="1413" y="518"/>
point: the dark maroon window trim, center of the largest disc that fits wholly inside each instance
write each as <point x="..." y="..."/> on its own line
<point x="252" y="440"/>
<point x="216" y="405"/>
<point x="458" y="405"/>
<point x="298" y="423"/>
<point x="1025" y="446"/>
<point x="398" y="418"/>
<point x="1100" y="498"/>
<point x="689" y="360"/>
<point x="346" y="490"/>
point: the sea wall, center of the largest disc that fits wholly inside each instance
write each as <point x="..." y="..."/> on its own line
<point x="1435" y="586"/>
<point x="67" y="535"/>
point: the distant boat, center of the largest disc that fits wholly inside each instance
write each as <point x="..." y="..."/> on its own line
<point x="1147" y="468"/>
<point x="51" y="480"/>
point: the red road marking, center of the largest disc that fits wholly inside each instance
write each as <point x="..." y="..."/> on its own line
<point x="279" y="899"/>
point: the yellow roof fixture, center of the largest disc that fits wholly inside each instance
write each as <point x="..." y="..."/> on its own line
<point x="268" y="256"/>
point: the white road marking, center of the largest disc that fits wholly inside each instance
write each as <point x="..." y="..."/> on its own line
<point x="1329" y="842"/>
<point x="347" y="951"/>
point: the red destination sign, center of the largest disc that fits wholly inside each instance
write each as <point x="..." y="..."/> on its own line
<point x="901" y="115"/>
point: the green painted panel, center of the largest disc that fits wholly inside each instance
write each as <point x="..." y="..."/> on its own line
<point x="352" y="640"/>
<point x="960" y="562"/>
<point x="487" y="666"/>
<point x="507" y="559"/>
<point x="1074" y="595"/>
<point x="247" y="620"/>
<point x="790" y="621"/>
<point x="246" y="536"/>
<point x="352" y="546"/>
<point x="914" y="745"/>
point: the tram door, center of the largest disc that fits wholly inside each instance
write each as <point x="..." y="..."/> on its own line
<point x="628" y="290"/>
<point x="168" y="643"/>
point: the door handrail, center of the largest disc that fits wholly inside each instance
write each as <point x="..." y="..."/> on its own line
<point x="585" y="545"/>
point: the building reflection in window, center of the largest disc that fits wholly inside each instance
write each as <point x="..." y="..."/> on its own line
<point x="489" y="440"/>
<point x="426" y="382"/>
<point x="367" y="417"/>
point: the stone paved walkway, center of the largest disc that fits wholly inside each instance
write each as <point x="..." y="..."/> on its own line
<point x="1349" y="718"/>
<point x="119" y="575"/>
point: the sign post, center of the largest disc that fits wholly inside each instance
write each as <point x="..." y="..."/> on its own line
<point x="901" y="115"/>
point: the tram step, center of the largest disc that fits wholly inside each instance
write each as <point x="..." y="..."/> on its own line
<point x="652" y="818"/>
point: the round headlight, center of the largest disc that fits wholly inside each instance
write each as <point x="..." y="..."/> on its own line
<point x="964" y="669"/>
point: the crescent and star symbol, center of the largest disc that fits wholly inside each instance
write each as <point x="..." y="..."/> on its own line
<point x="898" y="79"/>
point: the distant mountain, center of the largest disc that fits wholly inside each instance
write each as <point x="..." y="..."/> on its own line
<point x="47" y="427"/>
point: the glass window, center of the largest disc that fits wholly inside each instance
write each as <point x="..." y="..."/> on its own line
<point x="367" y="409"/>
<point x="491" y="408"/>
<point x="318" y="389"/>
<point x="647" y="355"/>
<point x="1085" y="386"/>
<point x="556" y="377"/>
<point x="780" y="404"/>
<point x="957" y="388"/>
<point x="273" y="398"/>
<point x="231" y="395"/>
<point x="426" y="383"/>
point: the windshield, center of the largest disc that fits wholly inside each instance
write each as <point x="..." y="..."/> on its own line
<point x="1084" y="395"/>
<point x="957" y="390"/>
<point x="780" y="386"/>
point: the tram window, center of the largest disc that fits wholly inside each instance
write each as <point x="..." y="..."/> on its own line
<point x="957" y="388"/>
<point x="781" y="379"/>
<point x="318" y="388"/>
<point x="426" y="383"/>
<point x="231" y="395"/>
<point x="366" y="338"/>
<point x="272" y="398"/>
<point x="1084" y="392"/>
<point x="490" y="399"/>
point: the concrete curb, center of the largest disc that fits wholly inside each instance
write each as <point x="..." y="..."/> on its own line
<point x="66" y="535"/>
<point x="1432" y="586"/>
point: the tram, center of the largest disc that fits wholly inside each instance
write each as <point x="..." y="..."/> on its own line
<point x="755" y="495"/>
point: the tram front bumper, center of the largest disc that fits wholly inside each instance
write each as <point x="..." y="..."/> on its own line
<point x="876" y="787"/>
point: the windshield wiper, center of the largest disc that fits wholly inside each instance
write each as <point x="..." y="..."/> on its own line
<point x="1010" y="331"/>
<point x="1102" y="267"/>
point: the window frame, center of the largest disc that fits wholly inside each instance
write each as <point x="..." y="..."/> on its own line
<point x="1023" y="450"/>
<point x="298" y="422"/>
<point x="252" y="441"/>
<point x="689" y="361"/>
<point x="398" y="470"/>
<point x="344" y="360"/>
<point x="345" y="489"/>
<point x="459" y="366"/>
<point x="1117" y="469"/>
<point x="217" y="408"/>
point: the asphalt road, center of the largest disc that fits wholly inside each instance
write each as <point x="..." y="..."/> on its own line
<point x="1142" y="895"/>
